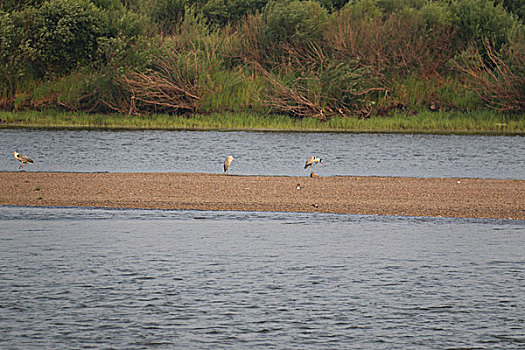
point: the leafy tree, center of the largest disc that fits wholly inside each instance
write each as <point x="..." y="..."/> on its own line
<point x="65" y="33"/>
<point x="476" y="20"/>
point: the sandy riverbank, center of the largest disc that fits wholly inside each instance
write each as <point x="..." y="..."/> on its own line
<point x="448" y="197"/>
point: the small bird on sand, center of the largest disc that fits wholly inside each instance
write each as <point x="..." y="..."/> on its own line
<point x="23" y="159"/>
<point x="227" y="163"/>
<point x="312" y="161"/>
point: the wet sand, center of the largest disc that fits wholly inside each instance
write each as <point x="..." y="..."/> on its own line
<point x="437" y="197"/>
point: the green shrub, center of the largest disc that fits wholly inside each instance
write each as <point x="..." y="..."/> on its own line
<point x="476" y="20"/>
<point x="7" y="47"/>
<point x="359" y="9"/>
<point x="15" y="54"/>
<point x="436" y="14"/>
<point x="516" y="7"/>
<point x="343" y="83"/>
<point x="333" y="5"/>
<point x="231" y="90"/>
<point x="222" y="12"/>
<point x="17" y="5"/>
<point x="167" y="13"/>
<point x="122" y="52"/>
<point x="124" y="23"/>
<point x="109" y="5"/>
<point x="295" y="22"/>
<point x="65" y="34"/>
<point x="393" y="6"/>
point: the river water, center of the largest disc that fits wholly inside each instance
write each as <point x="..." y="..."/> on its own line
<point x="78" y="278"/>
<point x="266" y="153"/>
<point x="133" y="279"/>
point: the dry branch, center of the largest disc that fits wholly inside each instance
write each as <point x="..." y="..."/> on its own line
<point x="497" y="78"/>
<point x="171" y="87"/>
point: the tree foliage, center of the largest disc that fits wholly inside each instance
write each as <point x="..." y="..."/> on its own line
<point x="302" y="57"/>
<point x="297" y="22"/>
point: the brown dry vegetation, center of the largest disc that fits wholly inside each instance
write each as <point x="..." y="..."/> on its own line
<point x="497" y="77"/>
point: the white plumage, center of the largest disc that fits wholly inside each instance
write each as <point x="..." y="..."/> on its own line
<point x="227" y="163"/>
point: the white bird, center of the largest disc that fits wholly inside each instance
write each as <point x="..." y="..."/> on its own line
<point x="227" y="163"/>
<point x="312" y="161"/>
<point x="23" y="159"/>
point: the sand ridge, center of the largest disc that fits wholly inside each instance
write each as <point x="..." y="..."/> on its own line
<point x="445" y="197"/>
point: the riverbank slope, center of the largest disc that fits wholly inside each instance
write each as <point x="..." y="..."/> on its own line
<point x="438" y="197"/>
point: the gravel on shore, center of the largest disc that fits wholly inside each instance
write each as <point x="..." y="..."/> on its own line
<point x="436" y="197"/>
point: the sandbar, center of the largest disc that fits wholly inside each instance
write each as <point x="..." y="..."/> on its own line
<point x="406" y="196"/>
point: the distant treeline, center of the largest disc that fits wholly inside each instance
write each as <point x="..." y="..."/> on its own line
<point x="318" y="59"/>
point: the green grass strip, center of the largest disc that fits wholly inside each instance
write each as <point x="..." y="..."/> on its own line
<point x="480" y="122"/>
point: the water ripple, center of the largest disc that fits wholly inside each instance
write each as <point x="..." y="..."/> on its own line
<point x="95" y="278"/>
<point x="263" y="153"/>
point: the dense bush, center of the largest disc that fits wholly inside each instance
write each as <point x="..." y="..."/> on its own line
<point x="222" y="12"/>
<point x="167" y="13"/>
<point x="17" y="5"/>
<point x="516" y="7"/>
<point x="476" y="20"/>
<point x="296" y="22"/>
<point x="400" y="43"/>
<point x="304" y="58"/>
<point x="497" y="77"/>
<point x="64" y="35"/>
<point x="16" y="54"/>
<point x="393" y="6"/>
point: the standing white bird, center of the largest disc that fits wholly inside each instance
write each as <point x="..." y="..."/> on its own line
<point x="23" y="159"/>
<point x="227" y="163"/>
<point x="312" y="161"/>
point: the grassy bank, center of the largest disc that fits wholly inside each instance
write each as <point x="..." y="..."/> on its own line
<point x="486" y="122"/>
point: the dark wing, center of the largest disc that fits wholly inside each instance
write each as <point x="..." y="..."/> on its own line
<point x="24" y="159"/>
<point x="309" y="162"/>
